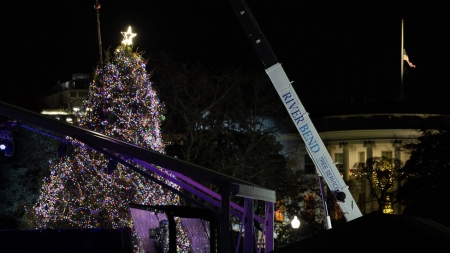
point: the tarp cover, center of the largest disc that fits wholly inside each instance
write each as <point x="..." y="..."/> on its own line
<point x="377" y="232"/>
<point x="66" y="240"/>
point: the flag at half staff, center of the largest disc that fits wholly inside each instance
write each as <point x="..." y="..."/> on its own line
<point x="406" y="58"/>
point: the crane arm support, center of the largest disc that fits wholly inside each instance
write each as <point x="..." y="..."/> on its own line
<point x="254" y="33"/>
<point x="314" y="144"/>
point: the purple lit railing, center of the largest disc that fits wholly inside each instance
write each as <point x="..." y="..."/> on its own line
<point x="215" y="198"/>
<point x="198" y="186"/>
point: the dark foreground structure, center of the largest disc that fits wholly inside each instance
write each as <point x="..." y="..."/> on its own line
<point x="192" y="179"/>
<point x="378" y="232"/>
<point x="66" y="240"/>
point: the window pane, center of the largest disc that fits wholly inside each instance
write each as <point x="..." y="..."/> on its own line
<point x="339" y="161"/>
<point x="82" y="94"/>
<point x="386" y="154"/>
<point x="361" y="157"/>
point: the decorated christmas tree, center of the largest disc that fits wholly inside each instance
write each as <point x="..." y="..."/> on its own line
<point x="81" y="192"/>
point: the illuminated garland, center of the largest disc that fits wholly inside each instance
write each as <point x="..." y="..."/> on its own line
<point x="79" y="193"/>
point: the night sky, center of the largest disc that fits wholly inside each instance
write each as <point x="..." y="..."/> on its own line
<point x="326" y="47"/>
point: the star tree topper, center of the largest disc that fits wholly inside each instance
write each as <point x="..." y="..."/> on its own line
<point x="127" y="37"/>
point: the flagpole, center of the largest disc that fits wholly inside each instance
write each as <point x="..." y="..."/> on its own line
<point x="402" y="95"/>
<point x="97" y="7"/>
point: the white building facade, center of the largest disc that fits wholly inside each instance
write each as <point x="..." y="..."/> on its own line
<point x="352" y="139"/>
<point x="67" y="98"/>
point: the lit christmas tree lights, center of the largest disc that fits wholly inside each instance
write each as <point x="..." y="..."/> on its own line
<point x="80" y="193"/>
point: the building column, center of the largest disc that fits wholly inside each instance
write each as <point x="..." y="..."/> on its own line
<point x="397" y="149"/>
<point x="345" y="162"/>
<point x="397" y="155"/>
<point x="369" y="154"/>
<point x="369" y="148"/>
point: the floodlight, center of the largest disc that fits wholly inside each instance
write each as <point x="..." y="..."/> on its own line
<point x="295" y="222"/>
<point x="7" y="147"/>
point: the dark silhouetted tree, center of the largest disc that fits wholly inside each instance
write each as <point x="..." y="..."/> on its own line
<point x="223" y="120"/>
<point x="426" y="177"/>
<point x="22" y="172"/>
<point x="228" y="121"/>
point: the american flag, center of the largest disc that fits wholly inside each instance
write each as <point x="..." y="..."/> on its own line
<point x="406" y="58"/>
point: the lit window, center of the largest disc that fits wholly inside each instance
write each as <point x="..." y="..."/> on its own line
<point x="339" y="161"/>
<point x="362" y="157"/>
<point x="386" y="154"/>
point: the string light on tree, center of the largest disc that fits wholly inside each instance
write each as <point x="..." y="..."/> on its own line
<point x="79" y="192"/>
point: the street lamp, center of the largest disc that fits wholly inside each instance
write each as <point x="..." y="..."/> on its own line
<point x="295" y="222"/>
